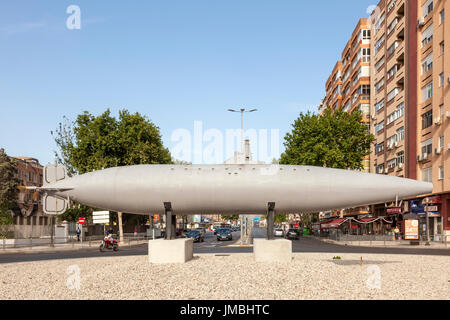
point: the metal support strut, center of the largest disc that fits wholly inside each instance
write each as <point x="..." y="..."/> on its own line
<point x="270" y="220"/>
<point x="171" y="221"/>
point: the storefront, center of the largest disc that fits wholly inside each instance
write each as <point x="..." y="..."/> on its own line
<point x="431" y="207"/>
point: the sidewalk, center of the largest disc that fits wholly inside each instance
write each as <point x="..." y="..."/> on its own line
<point x="386" y="244"/>
<point x="59" y="247"/>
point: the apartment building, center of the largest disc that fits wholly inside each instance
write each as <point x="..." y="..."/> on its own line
<point x="28" y="211"/>
<point x="348" y="88"/>
<point x="410" y="105"/>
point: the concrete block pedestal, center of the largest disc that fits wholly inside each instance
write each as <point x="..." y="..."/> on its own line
<point x="170" y="251"/>
<point x="272" y="250"/>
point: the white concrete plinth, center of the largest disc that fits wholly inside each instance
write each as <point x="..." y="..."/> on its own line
<point x="272" y="250"/>
<point x="170" y="251"/>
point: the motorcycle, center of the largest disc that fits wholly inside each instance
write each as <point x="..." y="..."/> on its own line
<point x="108" y="244"/>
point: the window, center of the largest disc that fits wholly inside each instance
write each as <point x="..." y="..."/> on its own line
<point x="392" y="163"/>
<point x="400" y="157"/>
<point x="427" y="36"/>
<point x="396" y="114"/>
<point x="427" y="147"/>
<point x="380" y="22"/>
<point x="427" y="174"/>
<point x="441" y="173"/>
<point x="392" y="25"/>
<point x="441" y="79"/>
<point x="365" y="34"/>
<point x="427" y="63"/>
<point x="401" y="134"/>
<point x="442" y="16"/>
<point x="379" y="127"/>
<point x="379" y="85"/>
<point x="392" y="140"/>
<point x="427" y="119"/>
<point x="392" y="5"/>
<point x="380" y="169"/>
<point x="393" y="94"/>
<point x="427" y="92"/>
<point x="379" y="64"/>
<point x="441" y="142"/>
<point x="379" y="105"/>
<point x="427" y="8"/>
<point x="379" y="44"/>
<point x="346" y="107"/>
<point x="392" y="71"/>
<point x="392" y="48"/>
<point x="379" y="148"/>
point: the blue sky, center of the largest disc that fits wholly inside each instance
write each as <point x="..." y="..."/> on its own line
<point x="174" y="61"/>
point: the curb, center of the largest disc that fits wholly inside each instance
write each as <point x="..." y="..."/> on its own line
<point x="56" y="250"/>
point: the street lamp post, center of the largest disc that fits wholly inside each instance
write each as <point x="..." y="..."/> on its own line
<point x="242" y="111"/>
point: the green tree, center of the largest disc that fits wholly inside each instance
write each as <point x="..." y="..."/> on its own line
<point x="8" y="191"/>
<point x="230" y="217"/>
<point x="98" y="142"/>
<point x="336" y="139"/>
<point x="93" y="143"/>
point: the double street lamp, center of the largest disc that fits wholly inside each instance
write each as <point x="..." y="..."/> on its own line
<point x="242" y="111"/>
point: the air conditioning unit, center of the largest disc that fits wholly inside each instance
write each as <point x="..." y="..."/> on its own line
<point x="425" y="156"/>
<point x="448" y="146"/>
<point x="438" y="150"/>
<point x="396" y="144"/>
<point x="448" y="114"/>
<point x="438" y="121"/>
<point x="386" y="170"/>
<point x="448" y="79"/>
<point x="400" y="165"/>
<point x="421" y="21"/>
<point x="420" y="158"/>
<point x="390" y="146"/>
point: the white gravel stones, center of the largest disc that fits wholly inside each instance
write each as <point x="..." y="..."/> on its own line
<point x="237" y="277"/>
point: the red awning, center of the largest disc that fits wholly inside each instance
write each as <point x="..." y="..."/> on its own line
<point x="368" y="219"/>
<point x="333" y="224"/>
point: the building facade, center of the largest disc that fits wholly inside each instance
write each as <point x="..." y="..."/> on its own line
<point x="28" y="210"/>
<point x="409" y="103"/>
<point x="348" y="86"/>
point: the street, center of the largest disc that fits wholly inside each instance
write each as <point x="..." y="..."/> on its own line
<point x="212" y="246"/>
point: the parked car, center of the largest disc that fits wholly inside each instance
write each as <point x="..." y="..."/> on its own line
<point x="293" y="234"/>
<point x="224" y="234"/>
<point x="196" y="235"/>
<point x="278" y="232"/>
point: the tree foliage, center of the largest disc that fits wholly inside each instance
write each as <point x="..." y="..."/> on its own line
<point x="230" y="217"/>
<point x="8" y="188"/>
<point x="98" y="142"/>
<point x="336" y="139"/>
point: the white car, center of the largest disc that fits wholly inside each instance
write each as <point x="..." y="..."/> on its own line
<point x="278" y="232"/>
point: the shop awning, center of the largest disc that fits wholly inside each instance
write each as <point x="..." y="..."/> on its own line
<point x="333" y="224"/>
<point x="368" y="219"/>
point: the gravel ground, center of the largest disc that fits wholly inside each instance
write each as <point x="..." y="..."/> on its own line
<point x="309" y="276"/>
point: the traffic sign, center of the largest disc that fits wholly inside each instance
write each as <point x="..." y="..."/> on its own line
<point x="81" y="221"/>
<point x="100" y="217"/>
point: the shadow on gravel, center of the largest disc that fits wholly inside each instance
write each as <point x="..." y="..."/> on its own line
<point x="358" y="262"/>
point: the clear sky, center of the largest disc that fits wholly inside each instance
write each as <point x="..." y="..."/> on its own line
<point x="175" y="61"/>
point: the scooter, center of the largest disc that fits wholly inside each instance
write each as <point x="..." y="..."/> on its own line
<point x="107" y="244"/>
